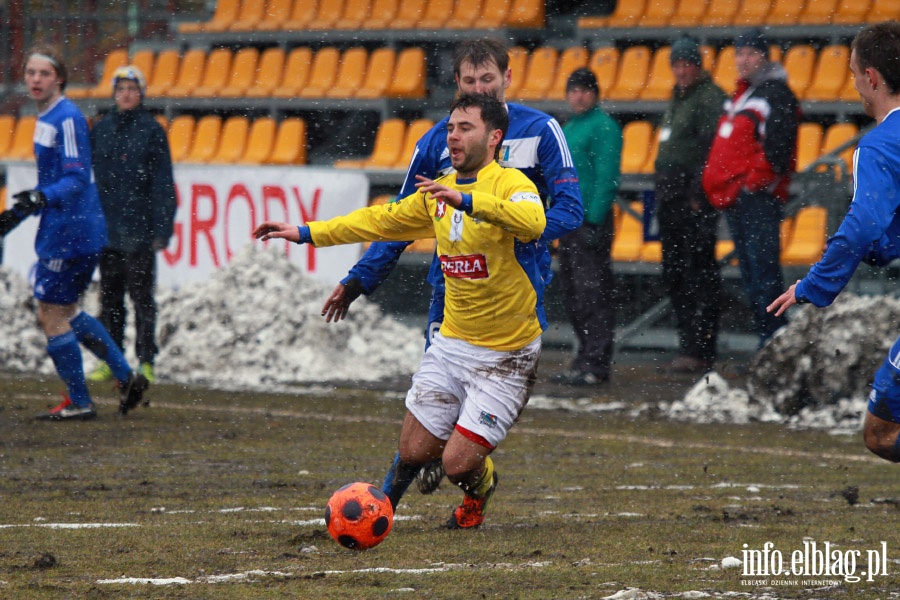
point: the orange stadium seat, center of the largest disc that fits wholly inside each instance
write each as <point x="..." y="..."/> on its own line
<point x="785" y="12"/>
<point x="465" y="15"/>
<point x="604" y="62"/>
<point x="632" y="76"/>
<point x="837" y="135"/>
<point x="409" y="74"/>
<point x="379" y="73"/>
<point x="249" y="15"/>
<point x="818" y="12"/>
<point x="848" y="91"/>
<point x="539" y="76"/>
<point x="493" y="14"/>
<point x="260" y="140"/>
<point x="22" y="145"/>
<point x="571" y="59"/>
<point x="808" y="234"/>
<point x="626" y="14"/>
<point x="322" y="72"/>
<point x="725" y="72"/>
<point x="720" y="13"/>
<point x="234" y="140"/>
<point x="268" y="73"/>
<point x="787" y="230"/>
<point x="165" y="70"/>
<point x="328" y="13"/>
<point x="102" y="89"/>
<point x="830" y="74"/>
<point x="190" y="73"/>
<point x="180" y="135"/>
<point x="637" y="137"/>
<point x="526" y="14"/>
<point x="414" y="132"/>
<point x="437" y="12"/>
<point x="243" y="73"/>
<point x="290" y="143"/>
<point x="7" y="129"/>
<point x="657" y="13"/>
<point x="688" y="14"/>
<point x="809" y="144"/>
<point x="302" y="13"/>
<point x="652" y="153"/>
<point x="225" y="14"/>
<point x="278" y="12"/>
<point x="661" y="79"/>
<point x="799" y="62"/>
<point x="355" y="14"/>
<point x="883" y="10"/>
<point x="163" y="121"/>
<point x="851" y="12"/>
<point x="518" y="64"/>
<point x="215" y="75"/>
<point x="351" y="73"/>
<point x="629" y="233"/>
<point x="381" y="14"/>
<point x="296" y="73"/>
<point x="207" y="134"/>
<point x="707" y="57"/>
<point x="143" y="60"/>
<point x="408" y="14"/>
<point x="752" y="12"/>
<point x="385" y="150"/>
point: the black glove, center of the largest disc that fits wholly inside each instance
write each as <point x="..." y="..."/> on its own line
<point x="592" y="236"/>
<point x="159" y="244"/>
<point x="29" y="202"/>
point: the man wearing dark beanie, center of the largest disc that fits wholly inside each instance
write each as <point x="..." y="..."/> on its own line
<point x="687" y="222"/>
<point x="753" y="156"/>
<point x="585" y="266"/>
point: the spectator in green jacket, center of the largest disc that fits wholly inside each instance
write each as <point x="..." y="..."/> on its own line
<point x="687" y="222"/>
<point x="585" y="266"/>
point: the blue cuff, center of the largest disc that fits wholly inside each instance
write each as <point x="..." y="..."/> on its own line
<point x="305" y="235"/>
<point x="466" y="204"/>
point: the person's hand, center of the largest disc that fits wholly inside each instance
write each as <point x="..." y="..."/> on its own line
<point x="784" y="301"/>
<point x="277" y="230"/>
<point x="29" y="202"/>
<point x="592" y="236"/>
<point x="339" y="301"/>
<point x="439" y="192"/>
<point x="159" y="244"/>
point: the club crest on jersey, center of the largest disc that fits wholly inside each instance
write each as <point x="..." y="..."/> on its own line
<point x="440" y="209"/>
<point x="466" y="266"/>
<point x="488" y="419"/>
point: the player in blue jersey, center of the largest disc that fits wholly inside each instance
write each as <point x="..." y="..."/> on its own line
<point x="534" y="144"/>
<point x="871" y="229"/>
<point x="70" y="237"/>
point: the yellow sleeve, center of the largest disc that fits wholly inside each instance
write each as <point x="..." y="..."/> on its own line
<point x="405" y="220"/>
<point x="516" y="207"/>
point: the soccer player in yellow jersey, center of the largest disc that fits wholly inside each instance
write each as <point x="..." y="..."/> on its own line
<point x="477" y="375"/>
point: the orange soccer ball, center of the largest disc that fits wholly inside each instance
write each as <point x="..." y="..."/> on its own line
<point x="359" y="516"/>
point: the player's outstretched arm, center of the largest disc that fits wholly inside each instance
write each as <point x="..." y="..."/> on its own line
<point x="277" y="230"/>
<point x="339" y="301"/>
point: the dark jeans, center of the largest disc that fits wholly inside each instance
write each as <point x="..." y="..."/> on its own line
<point x="755" y="225"/>
<point x="585" y="270"/>
<point x="134" y="272"/>
<point x="690" y="273"/>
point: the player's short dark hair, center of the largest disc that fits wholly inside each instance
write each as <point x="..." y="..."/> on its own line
<point x="480" y="52"/>
<point x="878" y="47"/>
<point x="52" y="53"/>
<point x="493" y="111"/>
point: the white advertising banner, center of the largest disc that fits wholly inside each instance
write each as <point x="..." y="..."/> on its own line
<point x="218" y="208"/>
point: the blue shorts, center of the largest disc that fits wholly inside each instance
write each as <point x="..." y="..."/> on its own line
<point x="63" y="281"/>
<point x="884" y="401"/>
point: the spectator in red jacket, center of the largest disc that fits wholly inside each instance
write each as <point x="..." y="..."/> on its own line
<point x="749" y="170"/>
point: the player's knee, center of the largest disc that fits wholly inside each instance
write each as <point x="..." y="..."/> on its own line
<point x="882" y="443"/>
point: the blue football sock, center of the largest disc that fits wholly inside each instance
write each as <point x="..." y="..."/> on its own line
<point x="95" y="338"/>
<point x="397" y="480"/>
<point x="66" y="355"/>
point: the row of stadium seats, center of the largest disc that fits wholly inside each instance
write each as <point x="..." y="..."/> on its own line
<point x="394" y="145"/>
<point x="741" y="13"/>
<point x="325" y="73"/>
<point x="802" y="238"/>
<point x="316" y="15"/>
<point x="209" y="139"/>
<point x="638" y="73"/>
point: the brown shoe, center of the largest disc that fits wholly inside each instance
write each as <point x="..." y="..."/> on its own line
<point x="688" y="365"/>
